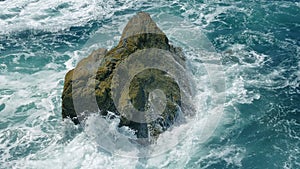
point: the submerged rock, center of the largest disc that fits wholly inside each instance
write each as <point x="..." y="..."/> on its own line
<point x="91" y="86"/>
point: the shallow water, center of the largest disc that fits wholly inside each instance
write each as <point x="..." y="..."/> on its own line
<point x="258" y="44"/>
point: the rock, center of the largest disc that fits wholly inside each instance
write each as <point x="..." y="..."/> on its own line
<point x="89" y="87"/>
<point x="75" y="84"/>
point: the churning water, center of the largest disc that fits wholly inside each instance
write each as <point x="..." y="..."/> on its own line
<point x="258" y="44"/>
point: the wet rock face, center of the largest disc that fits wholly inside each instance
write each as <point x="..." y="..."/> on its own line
<point x="92" y="80"/>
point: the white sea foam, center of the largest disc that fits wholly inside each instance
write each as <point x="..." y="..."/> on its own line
<point x="57" y="14"/>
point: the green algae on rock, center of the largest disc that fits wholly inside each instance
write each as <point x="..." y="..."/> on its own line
<point x="90" y="87"/>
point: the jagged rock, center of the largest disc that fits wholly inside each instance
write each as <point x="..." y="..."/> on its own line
<point x="92" y="78"/>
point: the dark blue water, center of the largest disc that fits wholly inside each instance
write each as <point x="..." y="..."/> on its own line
<point x="259" y="43"/>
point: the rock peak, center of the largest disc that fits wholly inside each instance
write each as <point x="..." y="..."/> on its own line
<point x="142" y="32"/>
<point x="141" y="23"/>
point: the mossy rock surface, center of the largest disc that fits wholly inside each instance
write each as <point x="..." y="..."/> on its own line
<point x="92" y="79"/>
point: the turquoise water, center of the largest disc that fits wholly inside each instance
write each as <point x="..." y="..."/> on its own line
<point x="259" y="43"/>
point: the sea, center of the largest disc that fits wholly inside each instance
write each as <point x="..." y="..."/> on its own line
<point x="250" y="48"/>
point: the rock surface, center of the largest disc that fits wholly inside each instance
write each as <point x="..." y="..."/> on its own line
<point x="91" y="80"/>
